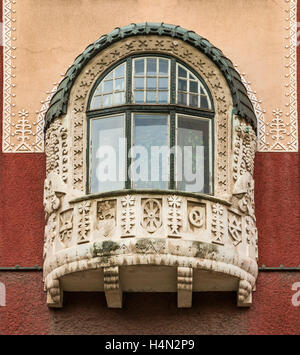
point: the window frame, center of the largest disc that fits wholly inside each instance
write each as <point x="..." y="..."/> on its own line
<point x="172" y="109"/>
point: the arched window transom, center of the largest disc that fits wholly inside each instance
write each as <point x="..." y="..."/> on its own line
<point x="150" y="123"/>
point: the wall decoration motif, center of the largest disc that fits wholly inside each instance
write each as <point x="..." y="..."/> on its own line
<point x="106" y="216"/>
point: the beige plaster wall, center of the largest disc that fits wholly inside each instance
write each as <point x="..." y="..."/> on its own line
<point x="252" y="33"/>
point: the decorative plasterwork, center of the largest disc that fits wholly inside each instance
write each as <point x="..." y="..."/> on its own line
<point x="165" y="45"/>
<point x="277" y="128"/>
<point x="26" y="137"/>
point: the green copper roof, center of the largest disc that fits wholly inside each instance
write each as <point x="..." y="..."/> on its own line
<point x="242" y="104"/>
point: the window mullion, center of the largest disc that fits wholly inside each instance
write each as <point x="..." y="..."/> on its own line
<point x="172" y="144"/>
<point x="128" y="129"/>
<point x="173" y="81"/>
<point x="129" y="81"/>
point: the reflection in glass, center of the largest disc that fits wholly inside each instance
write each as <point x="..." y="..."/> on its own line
<point x="150" y="131"/>
<point x="107" y="159"/>
<point x="114" y="85"/>
<point x="192" y="165"/>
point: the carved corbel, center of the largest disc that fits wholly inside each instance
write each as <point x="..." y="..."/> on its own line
<point x="184" y="287"/>
<point x="244" y="295"/>
<point x="54" y="294"/>
<point x="112" y="287"/>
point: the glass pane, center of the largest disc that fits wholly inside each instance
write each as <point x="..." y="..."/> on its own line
<point x="151" y="83"/>
<point x="182" y="72"/>
<point x="163" y="67"/>
<point x="192" y="77"/>
<point x="139" y="67"/>
<point x="96" y="102"/>
<point x="109" y="76"/>
<point x="151" y="66"/>
<point x="138" y="97"/>
<point x="194" y="86"/>
<point x="203" y="102"/>
<point x="105" y="154"/>
<point x="192" y="159"/>
<point x="119" y="98"/>
<point x="107" y="100"/>
<point x="150" y="168"/>
<point x="182" y="98"/>
<point x="151" y="97"/>
<point x="98" y="90"/>
<point x="163" y="83"/>
<point x="119" y="85"/>
<point x="120" y="71"/>
<point x="108" y="86"/>
<point x="194" y="100"/>
<point x="162" y="97"/>
<point x="139" y="83"/>
<point x="182" y="85"/>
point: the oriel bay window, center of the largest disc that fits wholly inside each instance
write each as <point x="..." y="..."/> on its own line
<point x="150" y="144"/>
<point x="150" y="127"/>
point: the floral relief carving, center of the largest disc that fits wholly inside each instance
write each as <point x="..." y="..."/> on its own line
<point x="57" y="150"/>
<point x="84" y="222"/>
<point x="66" y="226"/>
<point x="235" y="227"/>
<point x="151" y="219"/>
<point x="128" y="215"/>
<point x="174" y="216"/>
<point x="50" y="233"/>
<point x="244" y="150"/>
<point x="252" y="237"/>
<point x="106" y="216"/>
<point x="217" y="224"/>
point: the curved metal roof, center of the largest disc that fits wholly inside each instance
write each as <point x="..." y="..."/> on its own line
<point x="241" y="102"/>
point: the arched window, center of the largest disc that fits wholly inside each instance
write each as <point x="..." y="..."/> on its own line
<point x="150" y="127"/>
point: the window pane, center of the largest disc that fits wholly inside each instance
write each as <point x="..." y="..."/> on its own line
<point x="190" y="84"/>
<point x="107" y="100"/>
<point x="151" y="97"/>
<point x="182" y="85"/>
<point x="182" y="72"/>
<point x="204" y="102"/>
<point x="163" y="67"/>
<point x="182" y="99"/>
<point x="163" y="83"/>
<point x="151" y="66"/>
<point x="139" y="83"/>
<point x="96" y="102"/>
<point x="139" y="67"/>
<point x="106" y="154"/>
<point x="194" y="86"/>
<point x="108" y="86"/>
<point x="119" y="98"/>
<point x="120" y="71"/>
<point x="193" y="100"/>
<point x="150" y="170"/>
<point x="192" y="159"/>
<point x="138" y="97"/>
<point x="151" y="83"/>
<point x="162" y="97"/>
<point x="119" y="85"/>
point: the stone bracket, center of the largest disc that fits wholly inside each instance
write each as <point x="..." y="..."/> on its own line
<point x="184" y="287"/>
<point x="112" y="288"/>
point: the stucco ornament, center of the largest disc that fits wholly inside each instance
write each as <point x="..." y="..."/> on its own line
<point x="138" y="241"/>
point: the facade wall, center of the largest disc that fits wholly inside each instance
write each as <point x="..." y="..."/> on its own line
<point x="277" y="196"/>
